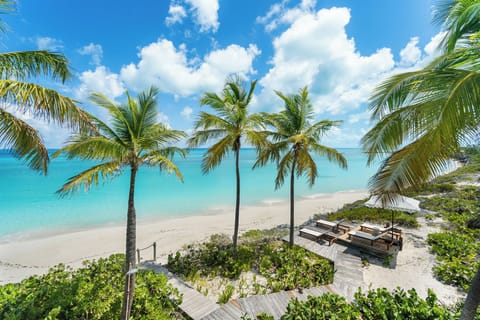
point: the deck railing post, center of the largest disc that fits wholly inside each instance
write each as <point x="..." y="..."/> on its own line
<point x="155" y="251"/>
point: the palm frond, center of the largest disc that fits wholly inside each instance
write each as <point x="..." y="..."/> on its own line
<point x="284" y="167"/>
<point x="45" y="104"/>
<point x="216" y="153"/>
<point x="89" y="177"/>
<point x="331" y="154"/>
<point x="25" y="64"/>
<point x="88" y="147"/>
<point x="200" y="137"/>
<point x="24" y="140"/>
<point x="411" y="166"/>
<point x="460" y="18"/>
<point x="162" y="160"/>
<point x="306" y="165"/>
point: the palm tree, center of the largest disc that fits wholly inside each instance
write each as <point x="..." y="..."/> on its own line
<point x="423" y="117"/>
<point x="135" y="138"/>
<point x="20" y="96"/>
<point x="293" y="139"/>
<point x="230" y="123"/>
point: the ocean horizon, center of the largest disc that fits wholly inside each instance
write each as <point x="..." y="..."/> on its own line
<point x="30" y="205"/>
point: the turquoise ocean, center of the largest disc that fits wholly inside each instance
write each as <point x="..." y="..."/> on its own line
<point x="29" y="204"/>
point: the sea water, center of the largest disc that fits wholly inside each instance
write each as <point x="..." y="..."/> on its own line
<point x="29" y="203"/>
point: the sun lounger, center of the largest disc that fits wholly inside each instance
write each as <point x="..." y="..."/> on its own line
<point x="326" y="224"/>
<point x="371" y="228"/>
<point x="365" y="236"/>
<point x="312" y="234"/>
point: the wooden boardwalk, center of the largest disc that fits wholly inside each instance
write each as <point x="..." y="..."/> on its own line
<point x="347" y="279"/>
<point x="194" y="304"/>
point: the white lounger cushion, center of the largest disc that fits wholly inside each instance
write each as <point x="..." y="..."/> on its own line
<point x="327" y="223"/>
<point x="374" y="227"/>
<point x="311" y="232"/>
<point x="365" y="235"/>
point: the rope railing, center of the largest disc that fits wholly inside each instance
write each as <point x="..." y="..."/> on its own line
<point x="154" y="245"/>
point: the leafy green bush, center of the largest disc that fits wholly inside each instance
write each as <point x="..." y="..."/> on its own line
<point x="92" y="292"/>
<point x="376" y="215"/>
<point x="327" y="306"/>
<point x="399" y="304"/>
<point x="456" y="257"/>
<point x="283" y="267"/>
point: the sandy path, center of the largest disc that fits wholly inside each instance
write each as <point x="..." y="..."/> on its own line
<point x="413" y="268"/>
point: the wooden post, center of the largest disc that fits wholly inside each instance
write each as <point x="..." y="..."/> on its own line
<point x="138" y="255"/>
<point x="155" y="251"/>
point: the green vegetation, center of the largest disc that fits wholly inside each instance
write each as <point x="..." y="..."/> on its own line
<point x="295" y="137"/>
<point x="280" y="267"/>
<point x="358" y="212"/>
<point x="94" y="291"/>
<point x="458" y="246"/>
<point x="373" y="305"/>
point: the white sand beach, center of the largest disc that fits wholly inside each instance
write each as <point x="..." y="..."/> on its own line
<point x="24" y="257"/>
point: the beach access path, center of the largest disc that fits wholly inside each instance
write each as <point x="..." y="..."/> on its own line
<point x="347" y="279"/>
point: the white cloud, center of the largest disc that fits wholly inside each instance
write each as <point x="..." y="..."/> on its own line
<point x="315" y="51"/>
<point x="359" y="117"/>
<point x="93" y="50"/>
<point x="204" y="12"/>
<point x="47" y="43"/>
<point x="176" y="14"/>
<point x="411" y="54"/>
<point x="432" y="48"/>
<point x="169" y="68"/>
<point x="163" y="118"/>
<point x="100" y="80"/>
<point x="186" y="112"/>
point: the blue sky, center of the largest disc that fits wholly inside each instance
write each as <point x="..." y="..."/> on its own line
<point x="340" y="49"/>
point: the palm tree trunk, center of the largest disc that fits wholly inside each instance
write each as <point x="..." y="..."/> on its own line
<point x="237" y="203"/>
<point x="130" y="248"/>
<point x="292" y="199"/>
<point x="473" y="299"/>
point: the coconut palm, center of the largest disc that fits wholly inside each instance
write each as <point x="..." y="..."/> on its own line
<point x="135" y="138"/>
<point x="294" y="138"/>
<point x="423" y="117"/>
<point x="19" y="96"/>
<point x="230" y="123"/>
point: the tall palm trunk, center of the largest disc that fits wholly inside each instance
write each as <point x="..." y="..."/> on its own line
<point x="130" y="247"/>
<point x="292" y="198"/>
<point x="473" y="299"/>
<point x="237" y="203"/>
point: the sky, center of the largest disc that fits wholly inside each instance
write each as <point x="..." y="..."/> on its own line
<point x="339" y="49"/>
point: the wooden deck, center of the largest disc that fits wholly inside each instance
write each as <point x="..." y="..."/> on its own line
<point x="194" y="304"/>
<point x="347" y="279"/>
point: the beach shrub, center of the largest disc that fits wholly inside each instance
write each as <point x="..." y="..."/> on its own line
<point x="374" y="215"/>
<point x="327" y="306"/>
<point x="372" y="305"/>
<point x="283" y="268"/>
<point x="94" y="291"/>
<point x="399" y="304"/>
<point x="456" y="257"/>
